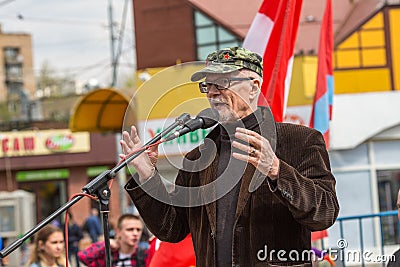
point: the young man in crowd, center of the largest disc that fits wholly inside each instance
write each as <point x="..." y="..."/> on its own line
<point x="124" y="248"/>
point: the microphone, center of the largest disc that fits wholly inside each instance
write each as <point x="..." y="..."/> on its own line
<point x="180" y="121"/>
<point x="205" y="119"/>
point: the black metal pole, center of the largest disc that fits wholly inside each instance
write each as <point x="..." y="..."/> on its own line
<point x="104" y="195"/>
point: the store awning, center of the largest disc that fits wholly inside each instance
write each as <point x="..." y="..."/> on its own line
<point x="101" y="110"/>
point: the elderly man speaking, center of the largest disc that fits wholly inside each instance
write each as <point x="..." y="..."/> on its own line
<point x="254" y="191"/>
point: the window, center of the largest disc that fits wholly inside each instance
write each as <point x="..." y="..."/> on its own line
<point x="365" y="48"/>
<point x="388" y="186"/>
<point x="13" y="64"/>
<point x="14" y="70"/>
<point x="11" y="54"/>
<point x="210" y="36"/>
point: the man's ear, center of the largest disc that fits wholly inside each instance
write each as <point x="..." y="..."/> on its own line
<point x="255" y="89"/>
<point x="117" y="233"/>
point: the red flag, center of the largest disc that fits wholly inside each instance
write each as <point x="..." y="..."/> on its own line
<point x="272" y="34"/>
<point x="318" y="235"/>
<point x="322" y="108"/>
<point x="323" y="99"/>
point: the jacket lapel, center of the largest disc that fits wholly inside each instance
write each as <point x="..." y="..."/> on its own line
<point x="207" y="176"/>
<point x="244" y="193"/>
<point x="209" y="193"/>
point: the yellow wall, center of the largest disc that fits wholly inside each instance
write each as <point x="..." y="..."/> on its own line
<point x="302" y="86"/>
<point x="361" y="80"/>
<point x="394" y="15"/>
<point x="169" y="93"/>
<point x="375" y="22"/>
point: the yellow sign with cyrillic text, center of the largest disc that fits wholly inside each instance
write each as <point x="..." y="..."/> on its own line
<point x="43" y="142"/>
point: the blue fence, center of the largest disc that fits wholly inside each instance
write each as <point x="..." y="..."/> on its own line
<point x="360" y="219"/>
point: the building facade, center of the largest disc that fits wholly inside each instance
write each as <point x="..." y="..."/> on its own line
<point x="17" y="84"/>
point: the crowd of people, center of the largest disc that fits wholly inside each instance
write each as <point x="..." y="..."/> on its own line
<point x="132" y="245"/>
<point x="48" y="246"/>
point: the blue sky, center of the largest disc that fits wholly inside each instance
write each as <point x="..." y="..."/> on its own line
<point x="72" y="35"/>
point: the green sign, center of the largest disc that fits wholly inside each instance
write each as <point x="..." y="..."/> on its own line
<point x="39" y="175"/>
<point x="95" y="170"/>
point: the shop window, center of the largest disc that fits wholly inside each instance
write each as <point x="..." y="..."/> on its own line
<point x="50" y="196"/>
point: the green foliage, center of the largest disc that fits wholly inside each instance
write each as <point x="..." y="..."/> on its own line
<point x="5" y="115"/>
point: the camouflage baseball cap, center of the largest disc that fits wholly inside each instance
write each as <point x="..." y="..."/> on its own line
<point x="228" y="60"/>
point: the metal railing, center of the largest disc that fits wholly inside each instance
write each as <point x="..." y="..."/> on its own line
<point x="360" y="219"/>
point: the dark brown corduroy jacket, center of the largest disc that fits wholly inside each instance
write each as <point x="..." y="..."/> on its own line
<point x="272" y="221"/>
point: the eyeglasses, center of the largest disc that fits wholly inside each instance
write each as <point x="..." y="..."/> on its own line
<point x="221" y="83"/>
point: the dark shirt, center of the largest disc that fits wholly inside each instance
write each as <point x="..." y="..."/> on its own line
<point x="229" y="175"/>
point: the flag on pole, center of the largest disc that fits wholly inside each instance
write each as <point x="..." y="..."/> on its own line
<point x="323" y="99"/>
<point x="272" y="34"/>
<point x="317" y="235"/>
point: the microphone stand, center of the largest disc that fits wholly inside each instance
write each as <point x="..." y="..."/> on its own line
<point x="98" y="186"/>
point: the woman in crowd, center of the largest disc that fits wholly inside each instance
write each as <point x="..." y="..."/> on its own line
<point x="48" y="250"/>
